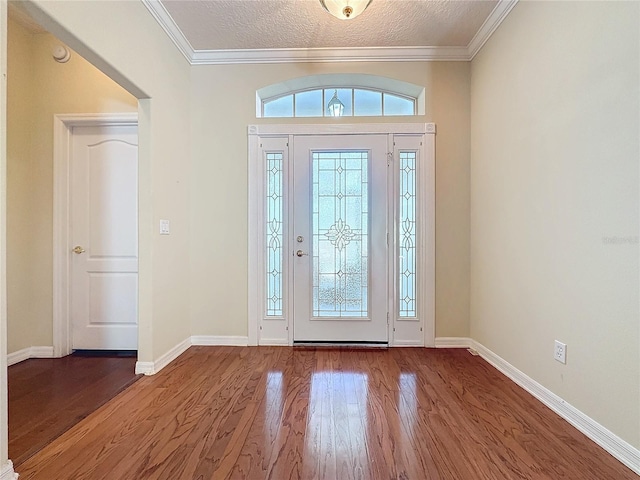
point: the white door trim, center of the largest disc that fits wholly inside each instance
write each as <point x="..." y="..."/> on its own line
<point x="255" y="214"/>
<point x="345" y="129"/>
<point x="62" y="131"/>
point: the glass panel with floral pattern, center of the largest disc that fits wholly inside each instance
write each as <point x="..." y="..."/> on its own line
<point x="340" y="234"/>
<point x="274" y="234"/>
<point x="407" y="235"/>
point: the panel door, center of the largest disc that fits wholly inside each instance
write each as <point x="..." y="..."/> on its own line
<point x="104" y="238"/>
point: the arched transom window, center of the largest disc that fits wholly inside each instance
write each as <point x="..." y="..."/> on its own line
<point x="340" y="95"/>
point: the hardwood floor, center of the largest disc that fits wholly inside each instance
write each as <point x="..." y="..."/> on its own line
<point x="49" y="396"/>
<point x="301" y="413"/>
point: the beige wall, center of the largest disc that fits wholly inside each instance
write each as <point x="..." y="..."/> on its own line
<point x="39" y="88"/>
<point x="19" y="170"/>
<point x="124" y="41"/>
<point x="223" y="105"/>
<point x="554" y="202"/>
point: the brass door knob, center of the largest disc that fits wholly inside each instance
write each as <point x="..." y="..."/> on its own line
<point x="78" y="249"/>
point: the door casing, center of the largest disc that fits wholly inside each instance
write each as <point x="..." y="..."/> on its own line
<point x="63" y="130"/>
<point x="258" y="135"/>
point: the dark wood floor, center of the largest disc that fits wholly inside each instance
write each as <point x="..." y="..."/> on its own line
<point x="49" y="396"/>
<point x="289" y="413"/>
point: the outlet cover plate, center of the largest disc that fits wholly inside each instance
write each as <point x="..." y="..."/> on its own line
<point x="560" y="352"/>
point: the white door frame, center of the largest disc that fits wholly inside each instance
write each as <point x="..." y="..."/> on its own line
<point x="62" y="131"/>
<point x="258" y="133"/>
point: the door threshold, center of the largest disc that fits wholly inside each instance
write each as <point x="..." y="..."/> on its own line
<point x="345" y="344"/>
<point x="104" y="353"/>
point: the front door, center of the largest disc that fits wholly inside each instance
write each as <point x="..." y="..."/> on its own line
<point x="339" y="231"/>
<point x="104" y="238"/>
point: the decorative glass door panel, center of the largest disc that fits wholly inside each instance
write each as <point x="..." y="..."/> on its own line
<point x="340" y="236"/>
<point x="340" y="233"/>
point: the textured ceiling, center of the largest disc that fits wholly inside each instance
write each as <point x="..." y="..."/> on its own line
<point x="268" y="24"/>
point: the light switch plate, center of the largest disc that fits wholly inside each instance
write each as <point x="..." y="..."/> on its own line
<point x="164" y="227"/>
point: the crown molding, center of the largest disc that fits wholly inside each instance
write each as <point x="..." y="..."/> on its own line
<point x="325" y="55"/>
<point x="489" y="26"/>
<point x="170" y="27"/>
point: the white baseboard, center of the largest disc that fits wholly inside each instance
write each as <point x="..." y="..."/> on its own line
<point x="274" y="342"/>
<point x="621" y="450"/>
<point x="27" y="353"/>
<point x="7" y="472"/>
<point x="42" y="352"/>
<point x="406" y="343"/>
<point x="19" y="356"/>
<point x="209" y="340"/>
<point x="151" y="368"/>
<point x="453" y="342"/>
<point x="145" y="368"/>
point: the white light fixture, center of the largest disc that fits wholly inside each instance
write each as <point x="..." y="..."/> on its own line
<point x="345" y="9"/>
<point x="335" y="106"/>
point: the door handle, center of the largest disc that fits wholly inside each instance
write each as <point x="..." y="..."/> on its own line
<point x="300" y="253"/>
<point x="78" y="249"/>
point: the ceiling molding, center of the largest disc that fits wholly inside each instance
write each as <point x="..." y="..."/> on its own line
<point x="169" y="26"/>
<point x="489" y="26"/>
<point x="325" y="55"/>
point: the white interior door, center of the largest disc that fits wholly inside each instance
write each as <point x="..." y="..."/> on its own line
<point x="104" y="237"/>
<point x="340" y="238"/>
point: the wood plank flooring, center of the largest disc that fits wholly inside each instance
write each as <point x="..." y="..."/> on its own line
<point x="303" y="413"/>
<point x="49" y="396"/>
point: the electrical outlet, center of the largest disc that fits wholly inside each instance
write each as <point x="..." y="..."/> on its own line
<point x="560" y="352"/>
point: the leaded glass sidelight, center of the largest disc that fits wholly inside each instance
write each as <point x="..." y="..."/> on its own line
<point x="274" y="234"/>
<point x="407" y="235"/>
<point x="340" y="233"/>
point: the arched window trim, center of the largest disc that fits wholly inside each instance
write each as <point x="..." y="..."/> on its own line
<point x="326" y="96"/>
<point x="374" y="83"/>
<point x="338" y="87"/>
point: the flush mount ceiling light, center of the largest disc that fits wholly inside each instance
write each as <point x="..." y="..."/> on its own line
<point x="345" y="9"/>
